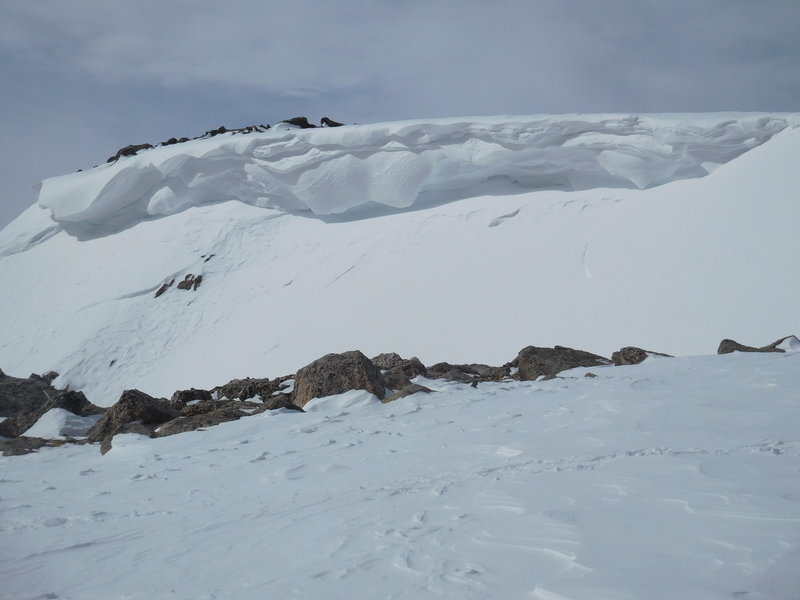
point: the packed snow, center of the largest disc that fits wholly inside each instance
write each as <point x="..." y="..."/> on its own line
<point x="676" y="478"/>
<point x="401" y="164"/>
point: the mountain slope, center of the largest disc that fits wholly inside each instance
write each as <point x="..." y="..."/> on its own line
<point x="457" y="275"/>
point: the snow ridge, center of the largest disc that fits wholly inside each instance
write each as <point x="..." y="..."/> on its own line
<point x="402" y="164"/>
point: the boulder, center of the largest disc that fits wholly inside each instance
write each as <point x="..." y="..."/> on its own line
<point x="534" y="362"/>
<point x="631" y="355"/>
<point x="301" y="122"/>
<point x="181" y="397"/>
<point x="336" y="374"/>
<point x="387" y="360"/>
<point x="247" y="388"/>
<point x="132" y="408"/>
<point x="470" y="373"/>
<point x="326" y="122"/>
<point x="728" y="346"/>
<point x="403" y="372"/>
<point x="408" y="390"/>
<point x="229" y="412"/>
<point x="20" y="396"/>
<point x="190" y="282"/>
<point x="74" y="402"/>
<point x="129" y="151"/>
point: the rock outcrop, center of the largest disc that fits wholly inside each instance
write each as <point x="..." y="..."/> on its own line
<point x="727" y="346"/>
<point x="534" y="362"/>
<point x="74" y="402"/>
<point x="129" y="151"/>
<point x="301" y="122"/>
<point x="134" y="412"/>
<point x="336" y="374"/>
<point x="631" y="355"/>
<point x="408" y="390"/>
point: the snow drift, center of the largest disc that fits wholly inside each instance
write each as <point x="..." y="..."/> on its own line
<point x="673" y="268"/>
<point x="400" y="164"/>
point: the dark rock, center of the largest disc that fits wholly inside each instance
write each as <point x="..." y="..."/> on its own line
<point x="326" y="122"/>
<point x="728" y="346"/>
<point x="181" y="397"/>
<point x="20" y="396"/>
<point x="164" y="287"/>
<point x="72" y="401"/>
<point x="190" y="282"/>
<point x="336" y="374"/>
<point x="50" y="376"/>
<point x="534" y="362"/>
<point x="133" y="407"/>
<point x="183" y="139"/>
<point x="129" y="151"/>
<point x="245" y="389"/>
<point x="171" y="141"/>
<point x="301" y="122"/>
<point x="229" y="412"/>
<point x="408" y="390"/>
<point x="402" y="373"/>
<point x="590" y="375"/>
<point x="280" y="401"/>
<point x="631" y="355"/>
<point x="387" y="360"/>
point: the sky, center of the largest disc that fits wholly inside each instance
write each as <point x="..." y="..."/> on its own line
<point x="83" y="78"/>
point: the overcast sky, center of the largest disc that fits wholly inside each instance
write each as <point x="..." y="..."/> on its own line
<point x="81" y="78"/>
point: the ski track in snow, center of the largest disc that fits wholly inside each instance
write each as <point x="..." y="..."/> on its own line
<point x="569" y="488"/>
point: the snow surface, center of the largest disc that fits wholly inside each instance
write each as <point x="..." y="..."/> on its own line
<point x="333" y="170"/>
<point x="674" y="268"/>
<point x="676" y="478"/>
<point x="58" y="424"/>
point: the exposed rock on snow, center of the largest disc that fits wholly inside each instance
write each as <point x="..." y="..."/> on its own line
<point x="335" y="374"/>
<point x="181" y="397"/>
<point x="227" y="411"/>
<point x="387" y="360"/>
<point x="631" y="355"/>
<point x="470" y="373"/>
<point x="782" y="345"/>
<point x="131" y="150"/>
<point x="190" y="282"/>
<point x="70" y="401"/>
<point x="247" y="388"/>
<point x="20" y="396"/>
<point x="534" y="362"/>
<point x="301" y="122"/>
<point x="134" y="411"/>
<point x="401" y="374"/>
<point x="407" y="390"/>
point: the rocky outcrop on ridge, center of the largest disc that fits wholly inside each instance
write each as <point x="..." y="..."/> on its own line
<point x="134" y="412"/>
<point x="631" y="355"/>
<point x="24" y="401"/>
<point x="336" y="374"/>
<point x="534" y="362"/>
<point x="727" y="346"/>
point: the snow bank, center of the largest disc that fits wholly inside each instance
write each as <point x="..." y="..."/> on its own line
<point x="57" y="423"/>
<point x="402" y="164"/>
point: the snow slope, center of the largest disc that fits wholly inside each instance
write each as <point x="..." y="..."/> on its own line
<point x="458" y="240"/>
<point x="676" y="478"/>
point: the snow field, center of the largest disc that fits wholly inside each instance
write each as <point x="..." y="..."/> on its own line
<point x="676" y="478"/>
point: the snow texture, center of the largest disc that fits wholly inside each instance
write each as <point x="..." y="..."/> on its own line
<point x="676" y="478"/>
<point x="401" y="164"/>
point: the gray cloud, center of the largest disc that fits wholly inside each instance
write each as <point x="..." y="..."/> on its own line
<point x="83" y="78"/>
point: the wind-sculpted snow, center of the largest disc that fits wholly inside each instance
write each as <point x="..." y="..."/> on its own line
<point x="402" y="164"/>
